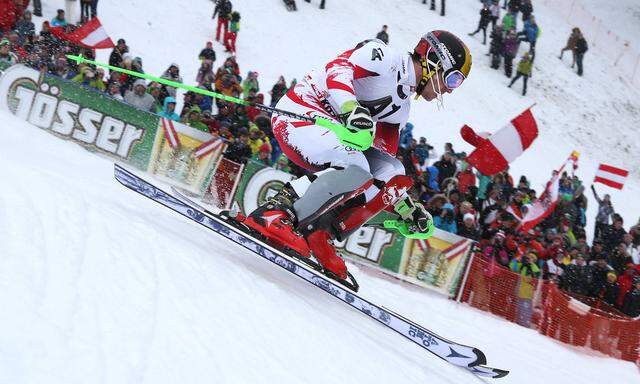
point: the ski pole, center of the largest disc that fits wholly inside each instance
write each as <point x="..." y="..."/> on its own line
<point x="402" y="227"/>
<point x="360" y="140"/>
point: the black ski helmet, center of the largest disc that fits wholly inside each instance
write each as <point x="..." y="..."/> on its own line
<point x="443" y="50"/>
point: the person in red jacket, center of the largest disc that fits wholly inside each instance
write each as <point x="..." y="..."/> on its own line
<point x="466" y="179"/>
<point x="625" y="282"/>
<point x="7" y="15"/>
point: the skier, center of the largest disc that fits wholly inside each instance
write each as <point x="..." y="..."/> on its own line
<point x="366" y="88"/>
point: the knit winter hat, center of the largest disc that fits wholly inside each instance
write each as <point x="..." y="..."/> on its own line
<point x="468" y="216"/>
<point x="4" y="42"/>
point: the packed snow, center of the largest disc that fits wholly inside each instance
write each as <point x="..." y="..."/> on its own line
<point x="99" y="284"/>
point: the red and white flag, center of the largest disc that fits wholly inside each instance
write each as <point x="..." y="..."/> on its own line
<point x="90" y="35"/>
<point x="494" y="153"/>
<point x="611" y="176"/>
<point x="546" y="203"/>
<point x="170" y="132"/>
<point x="207" y="147"/>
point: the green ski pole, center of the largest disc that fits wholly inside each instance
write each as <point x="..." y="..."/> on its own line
<point x="359" y="140"/>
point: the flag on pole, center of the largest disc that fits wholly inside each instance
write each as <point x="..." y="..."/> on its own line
<point x="90" y="35"/>
<point x="611" y="176"/>
<point x="494" y="153"/>
<point x="546" y="203"/>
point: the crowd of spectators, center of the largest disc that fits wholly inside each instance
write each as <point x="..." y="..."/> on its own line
<point x="461" y="200"/>
<point x="489" y="209"/>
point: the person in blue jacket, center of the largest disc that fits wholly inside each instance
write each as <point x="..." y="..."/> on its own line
<point x="406" y="136"/>
<point x="168" y="109"/>
<point x="530" y="34"/>
<point x="446" y="220"/>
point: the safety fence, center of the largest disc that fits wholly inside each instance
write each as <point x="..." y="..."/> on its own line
<point x="541" y="305"/>
<point x="619" y="51"/>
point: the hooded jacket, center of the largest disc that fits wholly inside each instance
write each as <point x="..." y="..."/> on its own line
<point x="165" y="109"/>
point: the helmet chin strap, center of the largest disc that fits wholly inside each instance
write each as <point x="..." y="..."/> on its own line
<point x="427" y="74"/>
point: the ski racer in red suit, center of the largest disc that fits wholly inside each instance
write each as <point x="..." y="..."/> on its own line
<point x="366" y="88"/>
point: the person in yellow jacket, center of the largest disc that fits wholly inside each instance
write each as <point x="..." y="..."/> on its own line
<point x="88" y="77"/>
<point x="524" y="71"/>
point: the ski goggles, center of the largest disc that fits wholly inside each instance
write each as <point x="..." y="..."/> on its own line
<point x="453" y="79"/>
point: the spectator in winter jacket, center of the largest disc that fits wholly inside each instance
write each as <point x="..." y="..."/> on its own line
<point x="113" y="90"/>
<point x="485" y="18"/>
<point x="446" y="167"/>
<point x="530" y="34"/>
<point x="194" y="119"/>
<point x="581" y="49"/>
<point x="422" y="152"/>
<point x="279" y="89"/>
<point x="382" y="35"/>
<point x="231" y="36"/>
<point x="25" y="27"/>
<point x="172" y="73"/>
<point x="59" y="20"/>
<point x="571" y="45"/>
<point x="511" y="45"/>
<point x="625" y="283"/>
<point x="509" y="21"/>
<point x="619" y="258"/>
<point x="631" y="302"/>
<point x="446" y="220"/>
<point x="239" y="150"/>
<point x="496" y="48"/>
<point x="599" y="271"/>
<point x="469" y="228"/>
<point x="117" y="55"/>
<point x="139" y="97"/>
<point x="169" y="108"/>
<point x="87" y="77"/>
<point x="6" y="55"/>
<point x="208" y="53"/>
<point x="610" y="291"/>
<point x="495" y="13"/>
<point x="250" y="83"/>
<point x="223" y="10"/>
<point x="527" y="9"/>
<point x="577" y="277"/>
<point x="205" y="72"/>
<point x="605" y="210"/>
<point x="613" y="234"/>
<point x="524" y="71"/>
<point x="406" y="135"/>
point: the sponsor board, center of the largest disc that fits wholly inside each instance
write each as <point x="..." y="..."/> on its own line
<point x="102" y="124"/>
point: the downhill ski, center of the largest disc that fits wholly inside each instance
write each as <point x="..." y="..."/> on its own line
<point x="469" y="358"/>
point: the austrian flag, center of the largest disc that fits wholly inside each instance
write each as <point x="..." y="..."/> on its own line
<point x="495" y="152"/>
<point x="90" y="35"/>
<point x="611" y="176"/>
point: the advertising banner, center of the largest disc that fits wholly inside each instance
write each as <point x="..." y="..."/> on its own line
<point x="102" y="124"/>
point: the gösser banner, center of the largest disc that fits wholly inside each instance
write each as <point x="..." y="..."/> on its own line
<point x="105" y="125"/>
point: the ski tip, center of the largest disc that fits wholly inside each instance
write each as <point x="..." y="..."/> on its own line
<point x="499" y="373"/>
<point x="481" y="357"/>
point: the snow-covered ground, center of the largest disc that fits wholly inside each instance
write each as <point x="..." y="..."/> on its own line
<point x="97" y="284"/>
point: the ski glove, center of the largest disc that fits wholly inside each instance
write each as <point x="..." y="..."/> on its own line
<point x="417" y="218"/>
<point x="356" y="117"/>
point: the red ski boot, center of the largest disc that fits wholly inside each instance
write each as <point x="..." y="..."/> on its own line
<point x="322" y="249"/>
<point x="275" y="220"/>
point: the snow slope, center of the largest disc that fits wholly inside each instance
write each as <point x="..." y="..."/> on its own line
<point x="99" y="284"/>
<point x="102" y="285"/>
